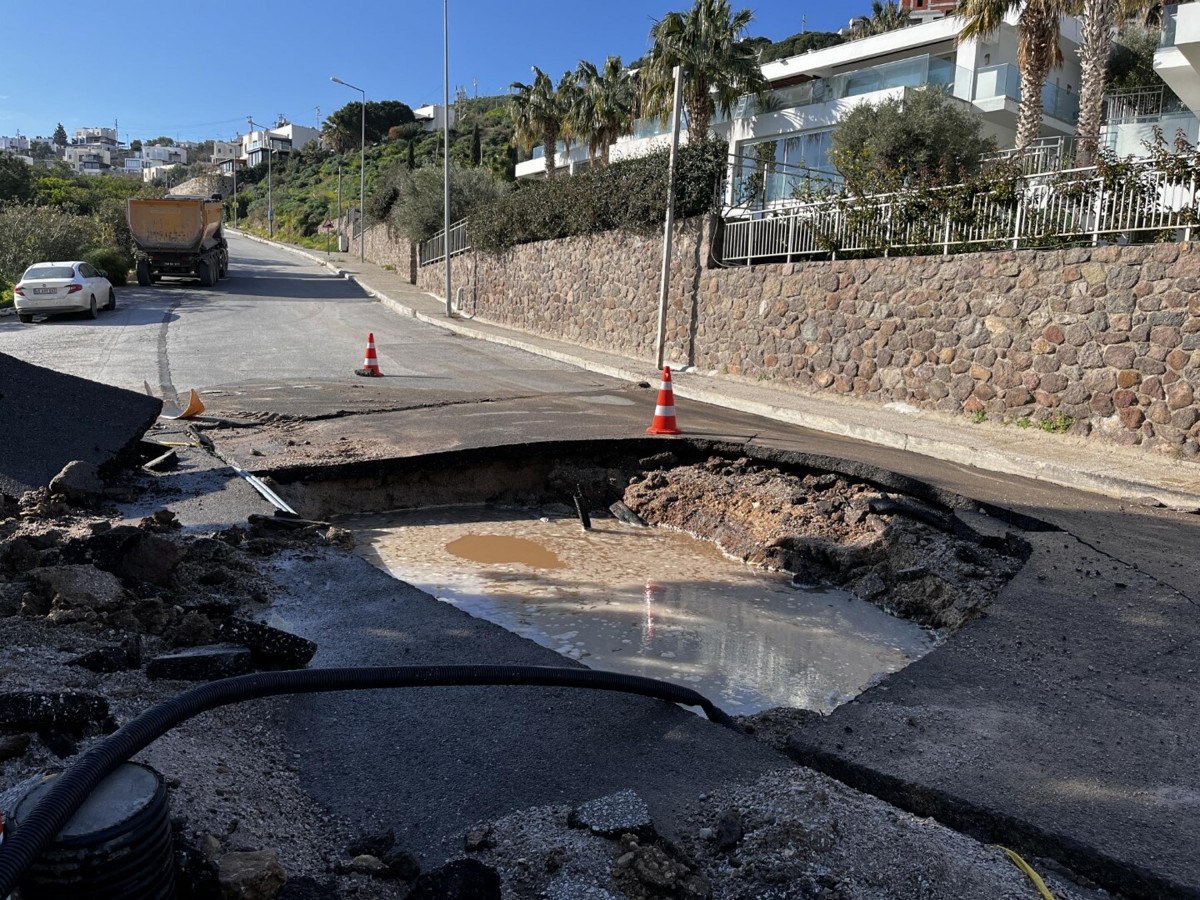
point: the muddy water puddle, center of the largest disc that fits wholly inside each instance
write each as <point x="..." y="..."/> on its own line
<point x="647" y="601"/>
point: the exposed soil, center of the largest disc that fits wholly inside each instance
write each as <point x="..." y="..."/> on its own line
<point x="912" y="559"/>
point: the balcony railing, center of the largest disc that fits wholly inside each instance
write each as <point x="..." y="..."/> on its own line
<point x="1004" y="80"/>
<point x="1076" y="206"/>
<point x="434" y="249"/>
<point x="917" y="71"/>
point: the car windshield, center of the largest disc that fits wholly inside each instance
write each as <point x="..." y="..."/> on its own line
<point x="39" y="273"/>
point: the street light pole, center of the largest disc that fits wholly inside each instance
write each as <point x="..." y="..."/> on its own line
<point x="446" y="149"/>
<point x="362" y="171"/>
<point x="270" y="204"/>
<point x="664" y="284"/>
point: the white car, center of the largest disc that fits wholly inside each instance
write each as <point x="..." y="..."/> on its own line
<point x="50" y="288"/>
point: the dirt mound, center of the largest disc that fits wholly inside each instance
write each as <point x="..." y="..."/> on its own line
<point x="908" y="557"/>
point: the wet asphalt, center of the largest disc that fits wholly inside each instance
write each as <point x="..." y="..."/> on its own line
<point x="1063" y="723"/>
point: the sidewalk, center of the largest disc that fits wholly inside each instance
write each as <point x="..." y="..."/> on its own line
<point x="1119" y="472"/>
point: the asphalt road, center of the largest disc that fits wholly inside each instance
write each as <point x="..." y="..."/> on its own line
<point x="276" y="320"/>
<point x="1099" y="668"/>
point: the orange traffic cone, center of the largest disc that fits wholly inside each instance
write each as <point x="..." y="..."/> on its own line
<point x="370" y="366"/>
<point x="664" y="411"/>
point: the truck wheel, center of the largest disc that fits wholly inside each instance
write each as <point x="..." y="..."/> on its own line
<point x="205" y="271"/>
<point x="25" y="318"/>
<point x="112" y="300"/>
<point x="143" y="273"/>
<point x="92" y="310"/>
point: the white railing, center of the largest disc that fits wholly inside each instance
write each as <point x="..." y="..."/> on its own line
<point x="434" y="249"/>
<point x="1075" y="206"/>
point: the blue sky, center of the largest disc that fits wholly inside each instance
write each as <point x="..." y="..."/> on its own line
<point x="196" y="70"/>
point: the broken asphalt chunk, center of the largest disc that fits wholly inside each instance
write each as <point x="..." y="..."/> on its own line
<point x="271" y="648"/>
<point x="74" y="712"/>
<point x="201" y="663"/>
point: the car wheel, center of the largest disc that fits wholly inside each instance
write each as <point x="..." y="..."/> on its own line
<point x="92" y="310"/>
<point x="112" y="299"/>
<point x="25" y="318"/>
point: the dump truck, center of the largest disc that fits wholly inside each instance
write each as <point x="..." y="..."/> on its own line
<point x="179" y="236"/>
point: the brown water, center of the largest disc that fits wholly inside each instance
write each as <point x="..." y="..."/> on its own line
<point x="647" y="601"/>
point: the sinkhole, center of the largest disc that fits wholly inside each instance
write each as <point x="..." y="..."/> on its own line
<point x="760" y="578"/>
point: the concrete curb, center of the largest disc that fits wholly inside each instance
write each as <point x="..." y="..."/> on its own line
<point x="707" y="391"/>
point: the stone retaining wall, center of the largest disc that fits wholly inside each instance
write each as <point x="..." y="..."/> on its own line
<point x="1103" y="341"/>
<point x="384" y="247"/>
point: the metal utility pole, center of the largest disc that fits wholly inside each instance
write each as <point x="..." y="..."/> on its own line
<point x="362" y="172"/>
<point x="270" y="204"/>
<point x="339" y="217"/>
<point x="446" y="152"/>
<point x="664" y="283"/>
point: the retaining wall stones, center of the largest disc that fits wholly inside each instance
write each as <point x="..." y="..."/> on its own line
<point x="1103" y="341"/>
<point x="384" y="247"/>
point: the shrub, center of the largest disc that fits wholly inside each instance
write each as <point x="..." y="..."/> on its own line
<point x="630" y="194"/>
<point x="116" y="262"/>
<point x="925" y="135"/>
<point x="417" y="210"/>
<point x="30" y="234"/>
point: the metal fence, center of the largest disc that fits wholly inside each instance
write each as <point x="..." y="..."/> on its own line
<point x="434" y="249"/>
<point x="1075" y="206"/>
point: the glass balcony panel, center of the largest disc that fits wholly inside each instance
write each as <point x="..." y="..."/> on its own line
<point x="1170" y="20"/>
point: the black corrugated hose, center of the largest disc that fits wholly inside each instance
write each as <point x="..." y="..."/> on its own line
<point x="76" y="784"/>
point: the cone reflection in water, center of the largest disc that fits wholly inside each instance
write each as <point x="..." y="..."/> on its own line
<point x="664" y="410"/>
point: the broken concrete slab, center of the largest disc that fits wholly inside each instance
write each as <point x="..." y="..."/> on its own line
<point x="78" y="587"/>
<point x="49" y="419"/>
<point x="201" y="663"/>
<point x="74" y="712"/>
<point x="270" y="647"/>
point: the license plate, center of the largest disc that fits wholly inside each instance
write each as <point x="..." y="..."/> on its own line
<point x="45" y="290"/>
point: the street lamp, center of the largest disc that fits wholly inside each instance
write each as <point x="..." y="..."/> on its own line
<point x="362" y="170"/>
<point x="446" y="148"/>
<point x="270" y="153"/>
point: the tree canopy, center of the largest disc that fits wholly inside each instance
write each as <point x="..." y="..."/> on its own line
<point x="60" y="135"/>
<point x="343" y="128"/>
<point x="926" y="135"/>
<point x="803" y="42"/>
<point x="16" y="180"/>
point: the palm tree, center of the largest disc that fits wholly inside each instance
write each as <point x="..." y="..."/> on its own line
<point x="884" y="17"/>
<point x="537" y="116"/>
<point x="604" y="107"/>
<point x="570" y="100"/>
<point x="1098" y="21"/>
<point x="1038" y="50"/>
<point x="718" y="65"/>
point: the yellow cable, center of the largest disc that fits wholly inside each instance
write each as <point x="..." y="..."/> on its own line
<point x="1029" y="872"/>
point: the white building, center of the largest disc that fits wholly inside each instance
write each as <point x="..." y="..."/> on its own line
<point x="91" y="159"/>
<point x="225" y="150"/>
<point x="151" y="173"/>
<point x="432" y="116"/>
<point x="282" y="140"/>
<point x="812" y="91"/>
<point x="104" y="136"/>
<point x="165" y="154"/>
<point x="18" y="144"/>
<point x="1176" y="62"/>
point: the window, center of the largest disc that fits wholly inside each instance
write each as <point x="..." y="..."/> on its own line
<point x="87" y="271"/>
<point x="776" y="170"/>
<point x="41" y="273"/>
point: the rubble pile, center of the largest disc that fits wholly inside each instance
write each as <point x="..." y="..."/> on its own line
<point x="908" y="557"/>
